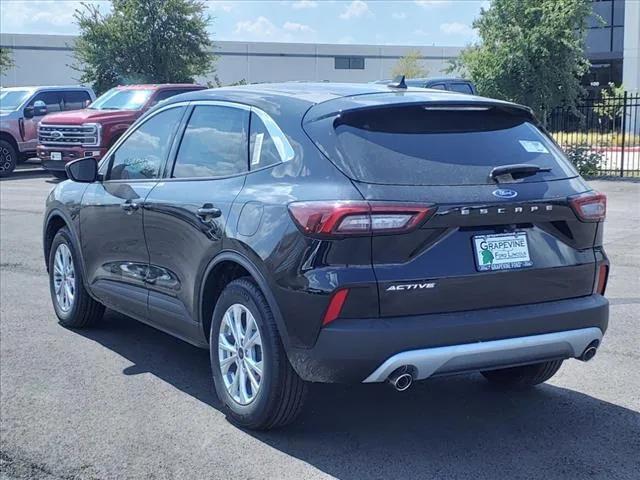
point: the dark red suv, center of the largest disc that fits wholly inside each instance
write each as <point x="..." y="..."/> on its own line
<point x="66" y="136"/>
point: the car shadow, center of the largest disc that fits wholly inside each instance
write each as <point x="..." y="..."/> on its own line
<point x="458" y="427"/>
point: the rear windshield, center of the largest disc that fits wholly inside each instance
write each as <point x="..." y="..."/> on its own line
<point x="427" y="145"/>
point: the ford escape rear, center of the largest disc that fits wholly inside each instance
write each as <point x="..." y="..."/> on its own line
<point x="336" y="233"/>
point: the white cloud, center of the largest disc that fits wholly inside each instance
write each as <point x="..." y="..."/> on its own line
<point x="302" y="4"/>
<point x="218" y="5"/>
<point x="347" y="40"/>
<point x="399" y="15"/>
<point x="456" y="28"/>
<point x="420" y="32"/>
<point x="355" y="9"/>
<point x="297" y="27"/>
<point x="262" y="29"/>
<point x="431" y="3"/>
<point x="42" y="16"/>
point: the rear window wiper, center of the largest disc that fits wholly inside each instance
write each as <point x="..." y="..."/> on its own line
<point x="516" y="171"/>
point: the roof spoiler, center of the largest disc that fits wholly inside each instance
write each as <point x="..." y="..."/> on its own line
<point x="398" y="82"/>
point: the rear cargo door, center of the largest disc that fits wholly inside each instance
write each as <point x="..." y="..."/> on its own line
<point x="493" y="241"/>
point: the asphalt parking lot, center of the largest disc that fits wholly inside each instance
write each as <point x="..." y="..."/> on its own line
<point x="127" y="401"/>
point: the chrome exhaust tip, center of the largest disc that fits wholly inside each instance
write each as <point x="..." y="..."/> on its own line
<point x="401" y="379"/>
<point x="590" y="351"/>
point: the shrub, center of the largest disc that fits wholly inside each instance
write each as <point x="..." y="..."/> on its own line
<point x="586" y="160"/>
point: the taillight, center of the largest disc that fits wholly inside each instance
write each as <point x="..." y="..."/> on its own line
<point x="590" y="206"/>
<point x="347" y="218"/>
<point x="601" y="281"/>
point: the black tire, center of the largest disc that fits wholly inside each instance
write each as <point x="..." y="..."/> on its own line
<point x="61" y="174"/>
<point x="8" y="158"/>
<point x="282" y="392"/>
<point x="84" y="311"/>
<point x="525" y="376"/>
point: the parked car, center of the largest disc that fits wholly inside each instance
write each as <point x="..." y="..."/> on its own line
<point x="460" y="85"/>
<point x="21" y="108"/>
<point x="90" y="132"/>
<point x="336" y="233"/>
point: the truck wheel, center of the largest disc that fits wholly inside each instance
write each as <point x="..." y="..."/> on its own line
<point x="73" y="305"/>
<point x="251" y="372"/>
<point x="524" y="376"/>
<point x="8" y="158"/>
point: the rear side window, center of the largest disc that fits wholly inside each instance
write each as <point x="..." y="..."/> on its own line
<point x="438" y="86"/>
<point x="214" y="144"/>
<point x="268" y="144"/>
<point x="427" y="145"/>
<point x="461" y="87"/>
<point x="75" y="100"/>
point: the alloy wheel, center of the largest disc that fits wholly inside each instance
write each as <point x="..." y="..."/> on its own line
<point x="240" y="354"/>
<point x="64" y="278"/>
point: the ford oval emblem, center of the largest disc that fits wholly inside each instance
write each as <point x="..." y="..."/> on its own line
<point x="505" y="193"/>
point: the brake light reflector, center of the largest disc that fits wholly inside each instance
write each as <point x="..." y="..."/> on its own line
<point x="590" y="206"/>
<point x="335" y="306"/>
<point x="340" y="218"/>
<point x="603" y="275"/>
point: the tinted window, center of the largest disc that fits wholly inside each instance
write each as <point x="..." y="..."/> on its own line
<point x="349" y="63"/>
<point x="416" y="146"/>
<point x="438" y="86"/>
<point x="75" y="100"/>
<point x="51" y="100"/>
<point x="164" y="94"/>
<point x="141" y="155"/>
<point x="461" y="87"/>
<point x="263" y="151"/>
<point x="214" y="143"/>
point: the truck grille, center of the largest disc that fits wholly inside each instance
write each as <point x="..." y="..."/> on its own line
<point x="87" y="135"/>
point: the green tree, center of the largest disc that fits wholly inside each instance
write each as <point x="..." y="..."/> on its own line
<point x="6" y="60"/>
<point x="530" y="52"/>
<point x="410" y="66"/>
<point x="150" y="41"/>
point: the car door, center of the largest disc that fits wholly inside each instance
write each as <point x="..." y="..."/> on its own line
<point x="111" y="228"/>
<point x="185" y="215"/>
<point x="53" y="101"/>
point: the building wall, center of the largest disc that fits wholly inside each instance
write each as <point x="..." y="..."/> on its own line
<point x="48" y="59"/>
<point x="631" y="72"/>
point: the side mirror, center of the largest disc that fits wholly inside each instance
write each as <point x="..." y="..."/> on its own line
<point x="39" y="108"/>
<point x="28" y="112"/>
<point x="83" y="170"/>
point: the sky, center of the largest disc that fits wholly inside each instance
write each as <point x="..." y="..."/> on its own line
<point x="398" y="22"/>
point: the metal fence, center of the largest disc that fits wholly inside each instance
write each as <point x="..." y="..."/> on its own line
<point x="606" y="128"/>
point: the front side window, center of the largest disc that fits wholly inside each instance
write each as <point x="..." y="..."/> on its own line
<point x="214" y="143"/>
<point x="142" y="154"/>
<point x="51" y="99"/>
<point x="122" y="99"/>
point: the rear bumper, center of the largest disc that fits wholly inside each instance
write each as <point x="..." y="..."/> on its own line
<point x="68" y="154"/>
<point x="357" y="350"/>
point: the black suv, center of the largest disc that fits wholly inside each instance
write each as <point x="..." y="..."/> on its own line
<point x="336" y="233"/>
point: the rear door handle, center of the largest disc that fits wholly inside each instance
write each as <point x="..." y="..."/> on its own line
<point x="129" y="206"/>
<point x="208" y="211"/>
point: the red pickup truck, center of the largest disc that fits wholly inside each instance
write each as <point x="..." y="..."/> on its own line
<point x="90" y="132"/>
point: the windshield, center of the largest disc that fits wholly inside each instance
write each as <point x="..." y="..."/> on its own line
<point x="422" y="145"/>
<point x="12" y="99"/>
<point x="117" y="99"/>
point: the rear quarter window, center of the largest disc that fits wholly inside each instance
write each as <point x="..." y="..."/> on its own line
<point x="427" y="145"/>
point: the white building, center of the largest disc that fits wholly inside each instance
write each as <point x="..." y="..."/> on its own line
<point x="48" y="60"/>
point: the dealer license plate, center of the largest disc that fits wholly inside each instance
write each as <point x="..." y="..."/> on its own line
<point x="504" y="251"/>
<point x="56" y="155"/>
